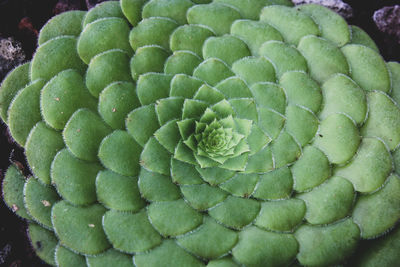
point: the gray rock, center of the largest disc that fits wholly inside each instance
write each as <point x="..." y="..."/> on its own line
<point x="66" y="5"/>
<point x="387" y="19"/>
<point x="4" y="253"/>
<point x="92" y="3"/>
<point x="11" y="55"/>
<point x="338" y="6"/>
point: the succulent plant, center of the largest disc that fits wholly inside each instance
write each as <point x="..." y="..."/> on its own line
<point x="199" y="133"/>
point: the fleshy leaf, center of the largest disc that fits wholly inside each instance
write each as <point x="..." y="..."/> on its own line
<point x="172" y="218"/>
<point x="80" y="228"/>
<point x="130" y="232"/>
<point x="210" y="240"/>
<point x="258" y="248"/>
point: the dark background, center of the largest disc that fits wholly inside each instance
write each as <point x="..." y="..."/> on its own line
<point x="22" y="19"/>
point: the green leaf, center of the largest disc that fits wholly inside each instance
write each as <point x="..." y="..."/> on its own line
<point x="182" y="62"/>
<point x="42" y="145"/>
<point x="62" y="96"/>
<point x="254" y="33"/>
<point x="118" y="192"/>
<point x="169" y="109"/>
<point x="343" y="95"/>
<point x="184" y="174"/>
<point x="120" y="153"/>
<point x="253" y="70"/>
<point x="215" y="175"/>
<point x="190" y="38"/>
<point x="130" y="232"/>
<point x="301" y="90"/>
<point x="241" y="185"/>
<point x="173" y="218"/>
<point x="144" y="115"/>
<point x="369" y="168"/>
<point x="276" y="184"/>
<point x="317" y="243"/>
<point x="80" y="228"/>
<point x="236" y="212"/>
<point x="83" y="134"/>
<point x="43" y="241"/>
<point x="109" y="258"/>
<point x="155" y="157"/>
<point x="203" y="196"/>
<point x="311" y="170"/>
<point x="13" y="187"/>
<point x="261" y="161"/>
<point x="338" y="138"/>
<point x="112" y="109"/>
<point x="234" y="87"/>
<point x="329" y="202"/>
<point x="74" y="179"/>
<point x="132" y="10"/>
<point x="210" y="241"/>
<point x="148" y="58"/>
<point x="152" y="87"/>
<point x="12" y="83"/>
<point x="175" y="9"/>
<point x="152" y="31"/>
<point x="193" y="108"/>
<point x="323" y="58"/>
<point x="157" y="187"/>
<point x="216" y="16"/>
<point x="284" y="57"/>
<point x="167" y="254"/>
<point x="284" y="18"/>
<point x="368" y="69"/>
<point x="103" y="10"/>
<point x="359" y="36"/>
<point x="39" y="200"/>
<point x="54" y="56"/>
<point x="245" y="108"/>
<point x="184" y="86"/>
<point x="168" y="136"/>
<point x="102" y="35"/>
<point x="208" y="94"/>
<point x="212" y="71"/>
<point x="227" y="48"/>
<point x="383" y="119"/>
<point x="64" y="256"/>
<point x="258" y="248"/>
<point x="376" y="213"/>
<point x="269" y="95"/>
<point x="67" y="23"/>
<point x="285" y="150"/>
<point x="282" y="215"/>
<point x="113" y="62"/>
<point x="333" y="27"/>
<point x="24" y="111"/>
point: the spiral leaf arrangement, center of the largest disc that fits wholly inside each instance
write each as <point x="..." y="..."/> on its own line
<point x="198" y="133"/>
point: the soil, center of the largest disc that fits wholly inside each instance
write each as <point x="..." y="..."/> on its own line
<point x="22" y="20"/>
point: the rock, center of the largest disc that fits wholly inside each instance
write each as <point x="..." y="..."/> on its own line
<point x="4" y="253"/>
<point x="66" y="5"/>
<point x="92" y="3"/>
<point x="11" y="55"/>
<point x="387" y="19"/>
<point x="338" y="6"/>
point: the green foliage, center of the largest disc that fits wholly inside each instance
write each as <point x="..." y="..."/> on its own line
<point x="206" y="133"/>
<point x="13" y="187"/>
<point x="43" y="241"/>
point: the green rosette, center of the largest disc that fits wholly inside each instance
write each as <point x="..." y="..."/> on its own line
<point x="206" y="133"/>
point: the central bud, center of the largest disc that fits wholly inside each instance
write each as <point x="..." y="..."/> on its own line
<point x="216" y="141"/>
<point x="217" y="137"/>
